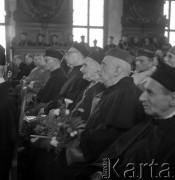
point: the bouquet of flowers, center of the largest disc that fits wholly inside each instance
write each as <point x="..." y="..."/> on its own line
<point x="59" y="126"/>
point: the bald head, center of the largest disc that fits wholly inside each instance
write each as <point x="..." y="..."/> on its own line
<point x="113" y="69"/>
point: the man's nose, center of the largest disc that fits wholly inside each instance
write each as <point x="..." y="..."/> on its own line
<point x="165" y="59"/>
<point x="142" y="97"/>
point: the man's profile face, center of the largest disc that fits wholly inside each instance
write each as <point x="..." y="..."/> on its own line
<point x="107" y="69"/>
<point x="154" y="100"/>
<point x="89" y="69"/>
<point x="143" y="63"/>
<point x="170" y="59"/>
<point x="50" y="63"/>
<point x="71" y="57"/>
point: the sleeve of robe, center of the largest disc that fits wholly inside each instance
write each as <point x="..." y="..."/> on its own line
<point x="124" y="112"/>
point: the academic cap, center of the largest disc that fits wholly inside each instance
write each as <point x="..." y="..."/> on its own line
<point x="165" y="75"/>
<point x="97" y="55"/>
<point x="54" y="53"/>
<point x="80" y="48"/>
<point x="121" y="54"/>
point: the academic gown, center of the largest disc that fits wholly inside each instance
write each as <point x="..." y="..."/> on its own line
<point x="74" y="87"/>
<point x="86" y="101"/>
<point x="157" y="148"/>
<point x="9" y="117"/>
<point x="118" y="111"/>
<point x="24" y="70"/>
<point x="53" y="86"/>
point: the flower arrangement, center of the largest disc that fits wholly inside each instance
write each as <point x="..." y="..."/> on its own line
<point x="59" y="126"/>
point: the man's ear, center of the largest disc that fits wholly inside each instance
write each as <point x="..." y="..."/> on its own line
<point x="172" y="101"/>
<point x="117" y="71"/>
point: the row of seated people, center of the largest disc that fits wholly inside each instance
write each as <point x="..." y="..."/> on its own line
<point x="116" y="125"/>
<point x="134" y="43"/>
<point x="40" y="41"/>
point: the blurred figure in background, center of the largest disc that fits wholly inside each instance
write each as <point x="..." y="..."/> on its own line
<point x="39" y="75"/>
<point x="124" y="43"/>
<point x="110" y="44"/>
<point x="9" y="117"/>
<point x="40" y="40"/>
<point x="23" y="40"/>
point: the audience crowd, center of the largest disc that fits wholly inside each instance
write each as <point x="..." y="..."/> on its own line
<point x="126" y="92"/>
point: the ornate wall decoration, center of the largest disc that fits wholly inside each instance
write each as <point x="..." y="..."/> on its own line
<point x="143" y="11"/>
<point x="43" y="10"/>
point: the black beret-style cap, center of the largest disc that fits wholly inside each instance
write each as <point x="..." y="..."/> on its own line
<point x="97" y="55"/>
<point x="165" y="75"/>
<point x="2" y="56"/>
<point x="80" y="48"/>
<point x="145" y="52"/>
<point x="121" y="54"/>
<point x="54" y="53"/>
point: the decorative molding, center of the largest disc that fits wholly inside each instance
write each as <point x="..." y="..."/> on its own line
<point x="43" y="10"/>
<point x="143" y="12"/>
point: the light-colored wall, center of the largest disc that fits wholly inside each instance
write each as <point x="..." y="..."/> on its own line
<point x="114" y="14"/>
<point x="11" y="7"/>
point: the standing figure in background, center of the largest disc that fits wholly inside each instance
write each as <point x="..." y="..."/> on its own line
<point x="9" y="117"/>
<point x="95" y="45"/>
<point x="110" y="44"/>
<point x="86" y="45"/>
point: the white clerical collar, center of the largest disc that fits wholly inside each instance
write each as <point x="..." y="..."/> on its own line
<point x="170" y="115"/>
<point x="2" y="80"/>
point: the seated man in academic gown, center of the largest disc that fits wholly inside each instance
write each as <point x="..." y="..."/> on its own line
<point x="75" y="85"/>
<point x="9" y="117"/>
<point x="90" y="71"/>
<point x="144" y="66"/>
<point x="118" y="111"/>
<point x="57" y="77"/>
<point x="154" y="155"/>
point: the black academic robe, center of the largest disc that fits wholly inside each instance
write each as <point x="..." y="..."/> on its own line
<point x="118" y="111"/>
<point x="157" y="149"/>
<point x="9" y="117"/>
<point x="24" y="70"/>
<point x="53" y="86"/>
<point x="86" y="101"/>
<point x="74" y="87"/>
